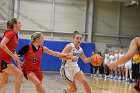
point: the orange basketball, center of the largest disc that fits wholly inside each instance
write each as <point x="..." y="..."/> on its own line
<point x="96" y="60"/>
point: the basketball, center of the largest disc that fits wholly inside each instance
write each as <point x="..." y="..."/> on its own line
<point x="136" y="58"/>
<point x="96" y="60"/>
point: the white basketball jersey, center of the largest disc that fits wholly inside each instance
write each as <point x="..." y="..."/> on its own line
<point x="111" y="58"/>
<point x="116" y="57"/>
<point x="106" y="56"/>
<point x="75" y="52"/>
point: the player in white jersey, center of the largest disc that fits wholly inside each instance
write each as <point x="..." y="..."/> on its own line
<point x="121" y="67"/>
<point x="116" y="58"/>
<point x="106" y="59"/>
<point x="111" y="59"/>
<point x="116" y="55"/>
<point x="105" y="62"/>
<point x="128" y="67"/>
<point x="70" y="71"/>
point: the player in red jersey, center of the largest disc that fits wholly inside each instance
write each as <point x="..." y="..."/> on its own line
<point x="133" y="49"/>
<point x="8" y="45"/>
<point x="32" y="56"/>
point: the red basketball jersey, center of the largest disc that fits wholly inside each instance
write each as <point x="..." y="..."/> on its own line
<point x="32" y="59"/>
<point x="12" y="44"/>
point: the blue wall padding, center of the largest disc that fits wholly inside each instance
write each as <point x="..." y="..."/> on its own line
<point x="51" y="63"/>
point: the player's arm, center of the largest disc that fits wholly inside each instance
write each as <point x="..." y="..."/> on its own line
<point x="54" y="53"/>
<point x="84" y="58"/>
<point x="131" y="52"/>
<point x="22" y="52"/>
<point x="3" y="43"/>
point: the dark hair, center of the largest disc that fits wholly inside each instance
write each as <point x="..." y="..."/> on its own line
<point x="106" y="51"/>
<point x="11" y="22"/>
<point x="76" y="33"/>
<point x="99" y="53"/>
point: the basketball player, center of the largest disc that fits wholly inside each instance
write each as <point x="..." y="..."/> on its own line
<point x="8" y="45"/>
<point x="106" y="61"/>
<point x="97" y="64"/>
<point x="111" y="60"/>
<point x="32" y="55"/>
<point x="70" y="71"/>
<point x="121" y="67"/>
<point x="128" y="71"/>
<point x="116" y="69"/>
<point x="133" y="48"/>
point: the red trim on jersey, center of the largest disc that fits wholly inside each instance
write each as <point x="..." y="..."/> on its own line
<point x="139" y="51"/>
<point x="12" y="44"/>
<point x="32" y="59"/>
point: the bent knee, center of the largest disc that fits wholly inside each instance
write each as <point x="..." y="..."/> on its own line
<point x="19" y="74"/>
<point x="38" y="84"/>
<point x="84" y="81"/>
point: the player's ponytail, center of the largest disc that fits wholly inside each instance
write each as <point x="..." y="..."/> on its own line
<point x="11" y="22"/>
<point x="76" y="33"/>
<point x="35" y="35"/>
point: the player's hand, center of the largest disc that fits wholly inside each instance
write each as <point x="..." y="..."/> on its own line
<point x="65" y="56"/>
<point x="17" y="59"/>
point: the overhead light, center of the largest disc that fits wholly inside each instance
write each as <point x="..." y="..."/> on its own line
<point x="132" y="3"/>
<point x="135" y="2"/>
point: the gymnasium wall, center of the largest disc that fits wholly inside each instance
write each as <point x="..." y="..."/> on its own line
<point x="114" y="23"/>
<point x="51" y="63"/>
<point x="43" y="15"/>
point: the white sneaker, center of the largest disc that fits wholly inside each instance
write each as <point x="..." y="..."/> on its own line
<point x="119" y="78"/>
<point x="111" y="77"/>
<point x="123" y="78"/>
<point x="115" y="77"/>
<point x="126" y="80"/>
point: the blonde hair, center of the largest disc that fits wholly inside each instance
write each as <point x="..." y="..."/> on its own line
<point x="36" y="35"/>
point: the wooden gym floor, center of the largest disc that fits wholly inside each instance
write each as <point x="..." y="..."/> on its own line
<point x="53" y="83"/>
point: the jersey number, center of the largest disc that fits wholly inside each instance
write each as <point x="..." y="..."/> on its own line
<point x="34" y="60"/>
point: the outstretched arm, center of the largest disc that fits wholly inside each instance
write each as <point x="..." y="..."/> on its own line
<point x="84" y="58"/>
<point x="131" y="52"/>
<point x="54" y="53"/>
